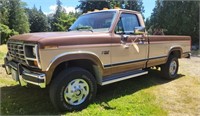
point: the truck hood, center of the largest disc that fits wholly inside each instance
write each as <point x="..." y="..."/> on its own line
<point x="63" y="38"/>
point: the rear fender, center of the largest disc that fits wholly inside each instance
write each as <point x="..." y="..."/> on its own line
<point x="175" y="48"/>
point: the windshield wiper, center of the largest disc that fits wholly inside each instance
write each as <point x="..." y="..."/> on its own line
<point x="89" y="28"/>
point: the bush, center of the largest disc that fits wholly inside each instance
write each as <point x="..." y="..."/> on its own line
<point x="5" y="33"/>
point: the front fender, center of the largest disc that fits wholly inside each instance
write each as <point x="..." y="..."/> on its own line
<point x="68" y="56"/>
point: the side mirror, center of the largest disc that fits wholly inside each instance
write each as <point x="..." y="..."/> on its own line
<point x="139" y="30"/>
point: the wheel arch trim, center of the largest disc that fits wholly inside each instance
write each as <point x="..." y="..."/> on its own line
<point x="174" y="48"/>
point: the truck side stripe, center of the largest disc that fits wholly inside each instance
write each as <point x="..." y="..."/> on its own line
<point x="133" y="61"/>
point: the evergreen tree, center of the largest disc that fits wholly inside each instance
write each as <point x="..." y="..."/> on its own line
<point x="18" y="19"/>
<point x="61" y="21"/>
<point x="50" y="19"/>
<point x="37" y="20"/>
<point x="88" y="5"/>
<point x="136" y="5"/>
<point x="4" y="12"/>
<point x="13" y="19"/>
<point x="65" y="21"/>
<point x="59" y="11"/>
<point x="114" y="3"/>
<point x="40" y="10"/>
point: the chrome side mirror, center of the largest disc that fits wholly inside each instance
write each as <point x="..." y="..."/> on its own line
<point x="139" y="30"/>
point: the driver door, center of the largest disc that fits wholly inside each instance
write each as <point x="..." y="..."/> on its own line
<point x="129" y="51"/>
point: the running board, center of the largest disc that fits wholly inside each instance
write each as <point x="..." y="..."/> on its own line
<point x="123" y="76"/>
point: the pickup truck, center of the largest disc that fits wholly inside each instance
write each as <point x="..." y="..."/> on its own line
<point x="100" y="48"/>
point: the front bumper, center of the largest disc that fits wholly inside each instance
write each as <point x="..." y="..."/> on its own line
<point x="23" y="75"/>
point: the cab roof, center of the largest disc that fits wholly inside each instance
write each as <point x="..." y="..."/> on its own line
<point x="117" y="10"/>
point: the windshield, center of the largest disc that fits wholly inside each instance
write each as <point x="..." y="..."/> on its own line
<point x="100" y="21"/>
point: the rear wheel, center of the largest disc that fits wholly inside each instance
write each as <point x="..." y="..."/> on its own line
<point x="170" y="69"/>
<point x="73" y="89"/>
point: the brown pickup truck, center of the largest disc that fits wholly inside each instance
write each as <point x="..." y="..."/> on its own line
<point x="100" y="48"/>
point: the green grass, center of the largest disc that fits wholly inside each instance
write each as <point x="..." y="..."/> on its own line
<point x="18" y="100"/>
<point x="130" y="97"/>
<point x="3" y="51"/>
<point x="1" y="57"/>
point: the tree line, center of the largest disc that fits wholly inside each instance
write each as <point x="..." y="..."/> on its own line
<point x="174" y="17"/>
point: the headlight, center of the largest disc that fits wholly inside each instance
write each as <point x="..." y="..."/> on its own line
<point x="30" y="51"/>
<point x="31" y="55"/>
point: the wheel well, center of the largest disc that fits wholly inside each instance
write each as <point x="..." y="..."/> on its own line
<point x="82" y="63"/>
<point x="176" y="53"/>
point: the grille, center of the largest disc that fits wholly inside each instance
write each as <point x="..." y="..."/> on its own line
<point x="16" y="52"/>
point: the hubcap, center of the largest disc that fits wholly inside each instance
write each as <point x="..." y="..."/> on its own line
<point x="173" y="67"/>
<point x="76" y="92"/>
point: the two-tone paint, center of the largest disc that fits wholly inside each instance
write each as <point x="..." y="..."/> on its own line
<point x="105" y="49"/>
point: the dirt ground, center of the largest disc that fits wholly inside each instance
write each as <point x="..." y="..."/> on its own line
<point x="181" y="97"/>
<point x="191" y="66"/>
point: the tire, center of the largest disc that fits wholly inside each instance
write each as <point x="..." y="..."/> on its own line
<point x="73" y="89"/>
<point x="170" y="69"/>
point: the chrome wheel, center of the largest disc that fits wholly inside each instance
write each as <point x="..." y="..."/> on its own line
<point x="76" y="92"/>
<point x="173" y="67"/>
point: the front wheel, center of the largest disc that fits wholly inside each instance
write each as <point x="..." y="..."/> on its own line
<point x="73" y="89"/>
<point x="170" y="69"/>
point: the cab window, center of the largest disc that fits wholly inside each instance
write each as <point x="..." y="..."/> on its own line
<point x="127" y="24"/>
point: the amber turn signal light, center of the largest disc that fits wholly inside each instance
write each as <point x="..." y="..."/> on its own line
<point x="35" y="63"/>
